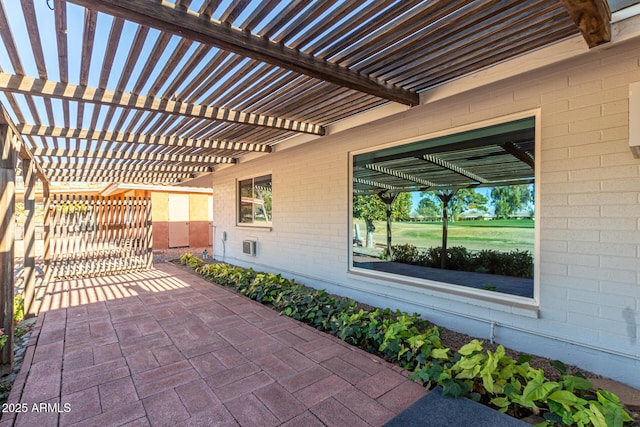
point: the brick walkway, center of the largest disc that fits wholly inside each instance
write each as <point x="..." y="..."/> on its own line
<point x="166" y="347"/>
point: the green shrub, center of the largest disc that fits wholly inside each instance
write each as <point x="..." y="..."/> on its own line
<point x="515" y="263"/>
<point x="18" y="308"/>
<point x="191" y="261"/>
<point x="516" y="388"/>
<point x="406" y="253"/>
<point x="459" y="258"/>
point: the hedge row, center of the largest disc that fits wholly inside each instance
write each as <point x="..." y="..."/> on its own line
<point x="515" y="263"/>
<point x="493" y="378"/>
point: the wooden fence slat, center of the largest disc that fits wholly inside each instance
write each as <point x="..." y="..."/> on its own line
<point x="99" y="235"/>
<point x="148" y="226"/>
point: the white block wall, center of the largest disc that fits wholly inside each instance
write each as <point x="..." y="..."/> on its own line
<point x="589" y="214"/>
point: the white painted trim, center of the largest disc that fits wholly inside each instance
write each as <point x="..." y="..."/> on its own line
<point x="625" y="13"/>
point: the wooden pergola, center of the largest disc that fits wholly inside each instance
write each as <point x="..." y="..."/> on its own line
<point x="182" y="86"/>
<point x="147" y="91"/>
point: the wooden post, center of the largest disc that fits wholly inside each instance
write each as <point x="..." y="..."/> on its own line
<point x="149" y="227"/>
<point x="445" y="198"/>
<point x="29" y="239"/>
<point x="8" y="159"/>
<point x="388" y="200"/>
<point x="47" y="231"/>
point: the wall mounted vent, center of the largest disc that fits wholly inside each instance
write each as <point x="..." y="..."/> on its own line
<point x="249" y="247"/>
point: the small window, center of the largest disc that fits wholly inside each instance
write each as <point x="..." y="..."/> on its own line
<point x="254" y="201"/>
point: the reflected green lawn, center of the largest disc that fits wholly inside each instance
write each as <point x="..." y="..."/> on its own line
<point x="501" y="235"/>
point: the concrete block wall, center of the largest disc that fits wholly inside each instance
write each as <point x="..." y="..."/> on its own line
<point x="587" y="309"/>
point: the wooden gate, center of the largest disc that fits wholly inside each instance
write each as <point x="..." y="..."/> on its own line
<point x="94" y="235"/>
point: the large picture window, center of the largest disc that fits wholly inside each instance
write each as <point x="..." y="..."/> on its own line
<point x="255" y="201"/>
<point x="450" y="210"/>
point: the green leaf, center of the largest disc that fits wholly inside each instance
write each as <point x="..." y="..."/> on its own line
<point x="470" y="348"/>
<point x="524" y="358"/>
<point x="440" y="353"/>
<point x="552" y="417"/>
<point x="487" y="381"/>
<point x="571" y="383"/>
<point x="605" y="396"/>
<point x="501" y="402"/>
<point x="471" y="362"/>
<point x="561" y="367"/>
<point x="614" y="418"/>
<point x="538" y="389"/>
<point x="596" y="417"/>
<point x="454" y="388"/>
<point x="566" y="399"/>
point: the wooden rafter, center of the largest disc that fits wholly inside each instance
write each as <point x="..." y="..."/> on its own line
<point x="77" y="167"/>
<point x="97" y="173"/>
<point x="122" y="137"/>
<point x="120" y="155"/>
<point x="401" y="175"/>
<point x="593" y="18"/>
<point x="377" y="184"/>
<point x="453" y="168"/>
<point x="167" y="17"/>
<point x="120" y="176"/>
<point x="71" y="92"/>
<point x="519" y="154"/>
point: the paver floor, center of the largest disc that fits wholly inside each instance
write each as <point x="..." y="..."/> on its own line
<point x="166" y="347"/>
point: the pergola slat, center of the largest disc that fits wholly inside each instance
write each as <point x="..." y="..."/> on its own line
<point x="454" y="168"/>
<point x="129" y="138"/>
<point x="122" y="177"/>
<point x="47" y="88"/>
<point x="234" y="77"/>
<point x="108" y="155"/>
<point x="76" y="167"/>
<point x="60" y="13"/>
<point x="170" y="19"/>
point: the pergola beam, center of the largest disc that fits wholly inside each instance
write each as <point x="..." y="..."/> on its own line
<point x="79" y="167"/>
<point x="133" y="138"/>
<point x="121" y="155"/>
<point x="519" y="154"/>
<point x="398" y="174"/>
<point x="71" y="92"/>
<point x="166" y="17"/>
<point x="593" y="18"/>
<point x="378" y="184"/>
<point x="102" y="176"/>
<point x="453" y="168"/>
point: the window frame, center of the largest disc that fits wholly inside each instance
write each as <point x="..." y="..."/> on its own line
<point x="253" y="223"/>
<point x="508" y="301"/>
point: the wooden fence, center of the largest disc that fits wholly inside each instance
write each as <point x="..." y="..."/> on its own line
<point x="94" y="235"/>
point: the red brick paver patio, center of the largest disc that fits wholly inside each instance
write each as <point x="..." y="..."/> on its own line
<point x="166" y="347"/>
